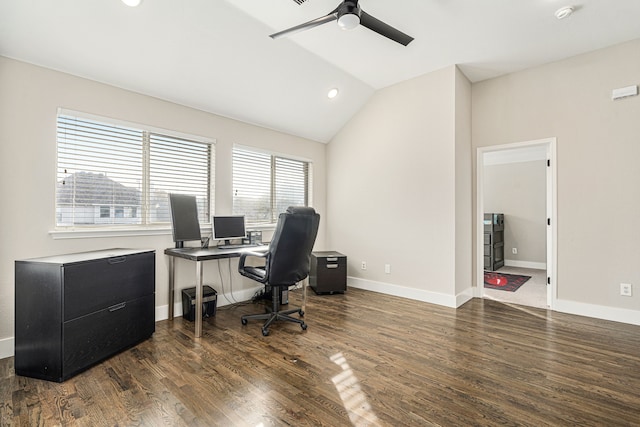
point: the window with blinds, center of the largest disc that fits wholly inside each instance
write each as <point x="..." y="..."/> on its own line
<point x="116" y="175"/>
<point x="264" y="185"/>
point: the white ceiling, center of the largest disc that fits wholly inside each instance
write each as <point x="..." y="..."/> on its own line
<point x="215" y="55"/>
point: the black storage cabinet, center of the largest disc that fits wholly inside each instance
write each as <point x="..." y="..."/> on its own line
<point x="209" y="302"/>
<point x="73" y="311"/>
<point x="328" y="273"/>
<point x="493" y="241"/>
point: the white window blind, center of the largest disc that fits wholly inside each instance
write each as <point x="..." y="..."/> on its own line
<point x="114" y="174"/>
<point x="264" y="185"/>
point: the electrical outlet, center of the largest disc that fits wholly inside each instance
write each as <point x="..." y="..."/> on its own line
<point x="514" y="251"/>
<point x="387" y="268"/>
<point x="625" y="289"/>
<point x="364" y="265"/>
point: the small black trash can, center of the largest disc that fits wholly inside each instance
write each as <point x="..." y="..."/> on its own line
<point x="209" y="302"/>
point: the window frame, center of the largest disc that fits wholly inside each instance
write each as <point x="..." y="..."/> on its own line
<point x="146" y="227"/>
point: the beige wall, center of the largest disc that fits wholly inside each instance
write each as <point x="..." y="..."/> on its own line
<point x="29" y="99"/>
<point x="598" y="147"/>
<point x="392" y="189"/>
<point x="518" y="190"/>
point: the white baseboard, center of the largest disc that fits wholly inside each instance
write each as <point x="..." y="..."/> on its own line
<point x="525" y="264"/>
<point x="7" y="347"/>
<point x="581" y="309"/>
<point x="452" y="301"/>
<point x="622" y="315"/>
<point x="464" y="296"/>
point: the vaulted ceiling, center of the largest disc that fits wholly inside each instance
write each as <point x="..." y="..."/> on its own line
<point x="217" y="56"/>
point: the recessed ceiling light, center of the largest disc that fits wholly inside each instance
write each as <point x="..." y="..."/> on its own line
<point x="332" y="93"/>
<point x="132" y="3"/>
<point x="564" y="12"/>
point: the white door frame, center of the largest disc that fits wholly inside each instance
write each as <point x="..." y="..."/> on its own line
<point x="551" y="202"/>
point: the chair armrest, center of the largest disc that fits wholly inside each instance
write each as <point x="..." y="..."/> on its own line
<point x="258" y="274"/>
<point x="244" y="256"/>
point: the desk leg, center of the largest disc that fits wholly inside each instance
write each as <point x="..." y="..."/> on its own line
<point x="172" y="282"/>
<point x="198" y="319"/>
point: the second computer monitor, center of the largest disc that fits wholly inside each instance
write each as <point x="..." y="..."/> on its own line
<point x="228" y="227"/>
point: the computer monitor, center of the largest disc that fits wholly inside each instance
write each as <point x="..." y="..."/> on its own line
<point x="228" y="227"/>
<point x="184" y="218"/>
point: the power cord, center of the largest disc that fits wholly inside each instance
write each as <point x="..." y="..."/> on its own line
<point x="222" y="284"/>
<point x="231" y="281"/>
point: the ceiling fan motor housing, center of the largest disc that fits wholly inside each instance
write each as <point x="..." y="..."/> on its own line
<point x="349" y="7"/>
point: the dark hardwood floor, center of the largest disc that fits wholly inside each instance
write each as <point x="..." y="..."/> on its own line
<point x="367" y="359"/>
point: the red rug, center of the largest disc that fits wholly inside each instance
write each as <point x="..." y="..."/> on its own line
<point x="503" y="281"/>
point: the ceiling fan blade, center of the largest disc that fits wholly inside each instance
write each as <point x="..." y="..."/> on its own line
<point x="307" y="25"/>
<point x="383" y="29"/>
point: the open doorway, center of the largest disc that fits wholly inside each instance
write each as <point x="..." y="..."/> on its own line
<point x="518" y="181"/>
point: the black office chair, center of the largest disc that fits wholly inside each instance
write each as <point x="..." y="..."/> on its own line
<point x="286" y="262"/>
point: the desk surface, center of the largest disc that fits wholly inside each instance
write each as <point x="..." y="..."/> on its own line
<point x="200" y="254"/>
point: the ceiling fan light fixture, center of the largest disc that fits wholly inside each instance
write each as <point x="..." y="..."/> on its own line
<point x="348" y="21"/>
<point x="564" y="12"/>
<point x="132" y="3"/>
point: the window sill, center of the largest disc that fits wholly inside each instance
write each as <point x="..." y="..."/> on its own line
<point x="91" y="233"/>
<point x="261" y="227"/>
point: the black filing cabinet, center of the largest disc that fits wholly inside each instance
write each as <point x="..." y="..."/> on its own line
<point x="73" y="311"/>
<point x="328" y="272"/>
<point x="493" y="241"/>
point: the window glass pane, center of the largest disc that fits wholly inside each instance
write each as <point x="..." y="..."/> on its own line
<point x="252" y="185"/>
<point x="99" y="169"/>
<point x="265" y="185"/>
<point x="178" y="166"/>
<point x="290" y="183"/>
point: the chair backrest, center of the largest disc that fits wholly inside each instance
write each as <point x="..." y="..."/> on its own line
<point x="291" y="245"/>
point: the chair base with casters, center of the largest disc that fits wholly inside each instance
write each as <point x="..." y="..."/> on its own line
<point x="274" y="313"/>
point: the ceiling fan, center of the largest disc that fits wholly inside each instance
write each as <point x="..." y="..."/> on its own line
<point x="349" y="15"/>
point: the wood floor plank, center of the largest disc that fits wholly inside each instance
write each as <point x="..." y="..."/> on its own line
<point x="365" y="359"/>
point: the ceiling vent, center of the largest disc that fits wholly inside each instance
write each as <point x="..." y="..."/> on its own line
<point x="299" y="1"/>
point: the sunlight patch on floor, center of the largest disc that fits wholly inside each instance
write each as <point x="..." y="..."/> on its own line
<point x="355" y="402"/>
